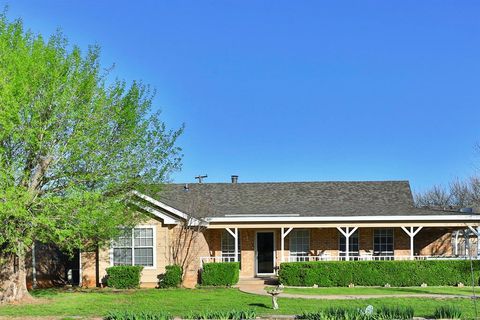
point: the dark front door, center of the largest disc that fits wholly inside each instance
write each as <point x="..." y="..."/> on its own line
<point x="265" y="252"/>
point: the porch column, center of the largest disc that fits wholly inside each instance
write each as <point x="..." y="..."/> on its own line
<point x="477" y="233"/>
<point x="235" y="237"/>
<point x="411" y="232"/>
<point x="347" y="233"/>
<point x="282" y="243"/>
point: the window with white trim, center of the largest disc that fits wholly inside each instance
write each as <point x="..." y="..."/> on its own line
<point x="228" y="247"/>
<point x="134" y="247"/>
<point x="383" y="242"/>
<point x="353" y="245"/>
<point x="299" y="243"/>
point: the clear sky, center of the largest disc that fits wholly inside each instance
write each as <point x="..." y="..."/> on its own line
<point x="297" y="90"/>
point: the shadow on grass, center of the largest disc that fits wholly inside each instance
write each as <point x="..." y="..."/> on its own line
<point x="44" y="293"/>
<point x="261" y="305"/>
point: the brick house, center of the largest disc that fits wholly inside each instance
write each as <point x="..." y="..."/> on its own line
<point x="263" y="224"/>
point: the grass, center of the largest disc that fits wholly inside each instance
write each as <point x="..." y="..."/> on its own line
<point x="467" y="291"/>
<point x="180" y="302"/>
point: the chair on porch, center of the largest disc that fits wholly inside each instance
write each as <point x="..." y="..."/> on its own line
<point x="325" y="256"/>
<point x="366" y="256"/>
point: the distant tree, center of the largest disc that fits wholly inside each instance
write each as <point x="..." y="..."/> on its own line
<point x="459" y="194"/>
<point x="437" y="196"/>
<point x="72" y="144"/>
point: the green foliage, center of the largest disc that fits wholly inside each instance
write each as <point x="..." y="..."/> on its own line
<point x="346" y="313"/>
<point x="377" y="273"/>
<point x="128" y="315"/>
<point x="220" y="274"/>
<point x="73" y="143"/>
<point x="172" y="277"/>
<point x="447" y="312"/>
<point x="397" y="312"/>
<point x="124" y="277"/>
<point x="224" y="315"/>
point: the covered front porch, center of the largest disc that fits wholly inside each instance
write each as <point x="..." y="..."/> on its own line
<point x="260" y="250"/>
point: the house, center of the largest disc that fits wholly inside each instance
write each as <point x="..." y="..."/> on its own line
<point x="262" y="225"/>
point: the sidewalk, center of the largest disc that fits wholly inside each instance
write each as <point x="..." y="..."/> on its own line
<point x="259" y="290"/>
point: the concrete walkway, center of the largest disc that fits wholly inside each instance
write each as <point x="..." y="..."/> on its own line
<point x="260" y="290"/>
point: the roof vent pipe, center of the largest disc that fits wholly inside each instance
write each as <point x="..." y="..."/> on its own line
<point x="234" y="179"/>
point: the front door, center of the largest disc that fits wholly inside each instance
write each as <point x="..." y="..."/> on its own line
<point x="265" y="248"/>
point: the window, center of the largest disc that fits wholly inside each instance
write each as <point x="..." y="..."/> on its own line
<point x="383" y="242"/>
<point x="134" y="247"/>
<point x="228" y="247"/>
<point x="299" y="243"/>
<point x="353" y="246"/>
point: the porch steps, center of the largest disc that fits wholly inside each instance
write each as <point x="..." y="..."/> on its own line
<point x="258" y="281"/>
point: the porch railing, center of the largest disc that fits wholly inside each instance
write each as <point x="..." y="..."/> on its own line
<point x="231" y="258"/>
<point x="371" y="258"/>
<point x="224" y="258"/>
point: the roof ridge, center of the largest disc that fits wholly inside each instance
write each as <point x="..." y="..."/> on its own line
<point x="294" y="182"/>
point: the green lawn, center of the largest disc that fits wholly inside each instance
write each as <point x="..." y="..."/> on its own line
<point x="182" y="301"/>
<point x="381" y="291"/>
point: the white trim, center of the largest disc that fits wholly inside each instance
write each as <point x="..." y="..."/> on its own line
<point x="166" y="207"/>
<point x="253" y="218"/>
<point x="256" y="253"/>
<point x="475" y="232"/>
<point x="282" y="243"/>
<point x="165" y="218"/>
<point x="154" y="227"/>
<point x="412" y="233"/>
<point x="349" y="252"/>
<point x="347" y="233"/>
<point x="234" y="234"/>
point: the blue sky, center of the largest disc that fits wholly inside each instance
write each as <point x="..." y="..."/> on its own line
<point x="297" y="90"/>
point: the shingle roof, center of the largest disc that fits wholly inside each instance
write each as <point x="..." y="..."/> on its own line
<point x="365" y="198"/>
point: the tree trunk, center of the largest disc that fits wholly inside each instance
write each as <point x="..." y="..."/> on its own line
<point x="13" y="280"/>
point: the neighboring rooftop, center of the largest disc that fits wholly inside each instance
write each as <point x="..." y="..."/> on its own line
<point x="361" y="198"/>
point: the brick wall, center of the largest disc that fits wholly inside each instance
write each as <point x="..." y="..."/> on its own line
<point x="429" y="241"/>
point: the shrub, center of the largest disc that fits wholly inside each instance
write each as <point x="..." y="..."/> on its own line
<point x="384" y="313"/>
<point x="220" y="274"/>
<point x="124" y="277"/>
<point x="401" y="313"/>
<point x="447" y="312"/>
<point x="234" y="315"/>
<point x="127" y="315"/>
<point x="172" y="277"/>
<point x="335" y="314"/>
<point x="377" y="273"/>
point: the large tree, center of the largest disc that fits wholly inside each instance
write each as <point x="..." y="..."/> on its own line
<point x="73" y="143"/>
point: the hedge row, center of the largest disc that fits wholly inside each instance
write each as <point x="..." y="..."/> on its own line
<point x="378" y="273"/>
<point x="220" y="274"/>
<point x="124" y="277"/>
